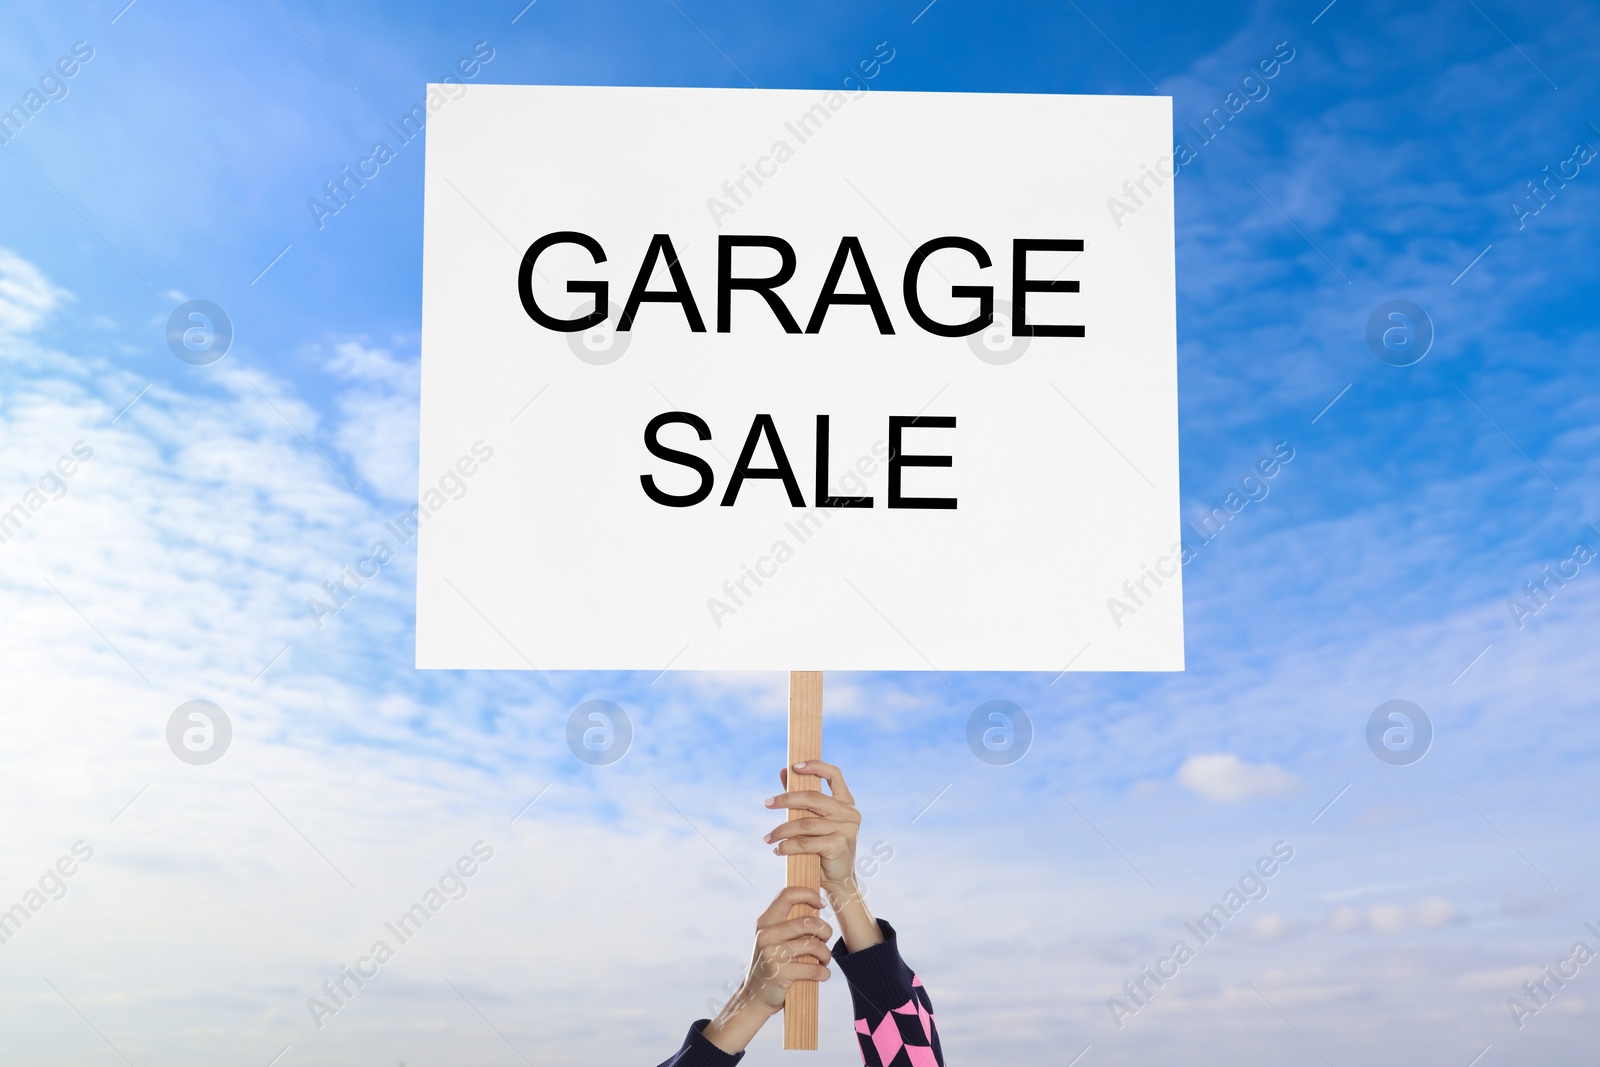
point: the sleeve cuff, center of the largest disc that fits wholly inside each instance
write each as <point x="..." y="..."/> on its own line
<point x="697" y="1051"/>
<point x="877" y="975"/>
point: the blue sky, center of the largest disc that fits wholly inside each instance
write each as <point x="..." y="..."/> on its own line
<point x="1382" y="165"/>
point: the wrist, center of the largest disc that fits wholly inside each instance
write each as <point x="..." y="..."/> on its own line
<point x="856" y="925"/>
<point x="748" y="1004"/>
<point x="738" y="1022"/>
<point x="847" y="888"/>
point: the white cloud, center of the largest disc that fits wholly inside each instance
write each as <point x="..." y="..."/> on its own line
<point x="1266" y="929"/>
<point x="356" y="361"/>
<point x="380" y="417"/>
<point x="1429" y="913"/>
<point x="1224" y="777"/>
<point x="26" y="296"/>
<point x="1432" y="913"/>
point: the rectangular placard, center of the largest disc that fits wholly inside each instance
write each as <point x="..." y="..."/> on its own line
<point x="650" y="316"/>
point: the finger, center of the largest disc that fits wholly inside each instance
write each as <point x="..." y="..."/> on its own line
<point x="772" y="959"/>
<point x="783" y="777"/>
<point x="802" y="972"/>
<point x="813" y="800"/>
<point x="808" y="846"/>
<point x="778" y="933"/>
<point x="833" y="774"/>
<point x="787" y="898"/>
<point x="810" y="828"/>
<point x="815" y="948"/>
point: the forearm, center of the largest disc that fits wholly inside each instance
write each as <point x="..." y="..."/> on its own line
<point x="856" y="924"/>
<point x="737" y="1024"/>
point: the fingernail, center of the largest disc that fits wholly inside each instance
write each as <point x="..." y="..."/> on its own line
<point x="770" y="801"/>
<point x="800" y="766"/>
<point x="768" y="839"/>
<point x="774" y="851"/>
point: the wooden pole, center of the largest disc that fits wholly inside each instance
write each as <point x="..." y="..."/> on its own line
<point x="805" y="743"/>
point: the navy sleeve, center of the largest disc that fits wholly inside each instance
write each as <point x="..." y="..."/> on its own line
<point x="698" y="1052"/>
<point x="894" y="1017"/>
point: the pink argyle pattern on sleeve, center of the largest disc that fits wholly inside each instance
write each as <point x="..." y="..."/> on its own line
<point x="904" y="1037"/>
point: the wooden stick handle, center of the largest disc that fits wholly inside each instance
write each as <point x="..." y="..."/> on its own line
<point x="805" y="743"/>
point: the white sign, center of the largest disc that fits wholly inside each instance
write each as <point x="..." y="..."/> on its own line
<point x="798" y="380"/>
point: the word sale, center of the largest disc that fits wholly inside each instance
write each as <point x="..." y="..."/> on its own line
<point x="783" y="471"/>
